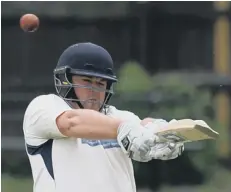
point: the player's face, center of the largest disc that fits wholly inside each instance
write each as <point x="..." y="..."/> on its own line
<point x="90" y="98"/>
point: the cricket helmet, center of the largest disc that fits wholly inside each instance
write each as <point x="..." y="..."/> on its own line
<point x="86" y="59"/>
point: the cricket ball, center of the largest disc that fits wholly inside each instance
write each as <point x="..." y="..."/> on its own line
<point x="29" y="22"/>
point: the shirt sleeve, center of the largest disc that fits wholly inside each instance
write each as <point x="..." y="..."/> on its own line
<point x="123" y="114"/>
<point x="39" y="123"/>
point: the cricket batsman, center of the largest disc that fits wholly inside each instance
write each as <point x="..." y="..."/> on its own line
<point x="76" y="141"/>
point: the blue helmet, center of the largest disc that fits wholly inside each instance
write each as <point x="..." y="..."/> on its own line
<point x="85" y="59"/>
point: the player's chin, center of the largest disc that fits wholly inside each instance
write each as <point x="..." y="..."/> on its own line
<point x="92" y="106"/>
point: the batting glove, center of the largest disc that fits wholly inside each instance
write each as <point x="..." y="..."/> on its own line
<point x="167" y="150"/>
<point x="136" y="141"/>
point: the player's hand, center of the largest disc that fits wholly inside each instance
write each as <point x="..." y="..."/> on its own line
<point x="154" y="124"/>
<point x="167" y="151"/>
<point x="163" y="151"/>
<point x="136" y="141"/>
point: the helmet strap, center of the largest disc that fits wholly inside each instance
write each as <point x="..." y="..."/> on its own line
<point x="73" y="96"/>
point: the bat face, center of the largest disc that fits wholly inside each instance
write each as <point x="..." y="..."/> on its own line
<point x="187" y="130"/>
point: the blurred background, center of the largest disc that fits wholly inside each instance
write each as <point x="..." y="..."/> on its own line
<point x="173" y="61"/>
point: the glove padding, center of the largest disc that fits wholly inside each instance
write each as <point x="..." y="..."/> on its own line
<point x="141" y="144"/>
<point x="164" y="151"/>
<point x="167" y="151"/>
<point x="136" y="141"/>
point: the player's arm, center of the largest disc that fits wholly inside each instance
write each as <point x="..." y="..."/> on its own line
<point x="84" y="123"/>
<point x="91" y="124"/>
<point x="49" y="117"/>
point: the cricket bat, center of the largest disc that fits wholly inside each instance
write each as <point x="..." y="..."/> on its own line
<point x="187" y="130"/>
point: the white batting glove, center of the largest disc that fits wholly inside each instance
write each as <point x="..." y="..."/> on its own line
<point x="167" y="150"/>
<point x="136" y="141"/>
<point x="156" y="125"/>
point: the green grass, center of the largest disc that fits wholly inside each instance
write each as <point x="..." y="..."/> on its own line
<point x="220" y="180"/>
<point x="11" y="184"/>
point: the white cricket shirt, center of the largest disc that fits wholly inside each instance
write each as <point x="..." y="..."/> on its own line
<point x="61" y="164"/>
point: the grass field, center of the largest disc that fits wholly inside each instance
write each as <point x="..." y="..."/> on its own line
<point x="10" y="184"/>
<point x="221" y="182"/>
